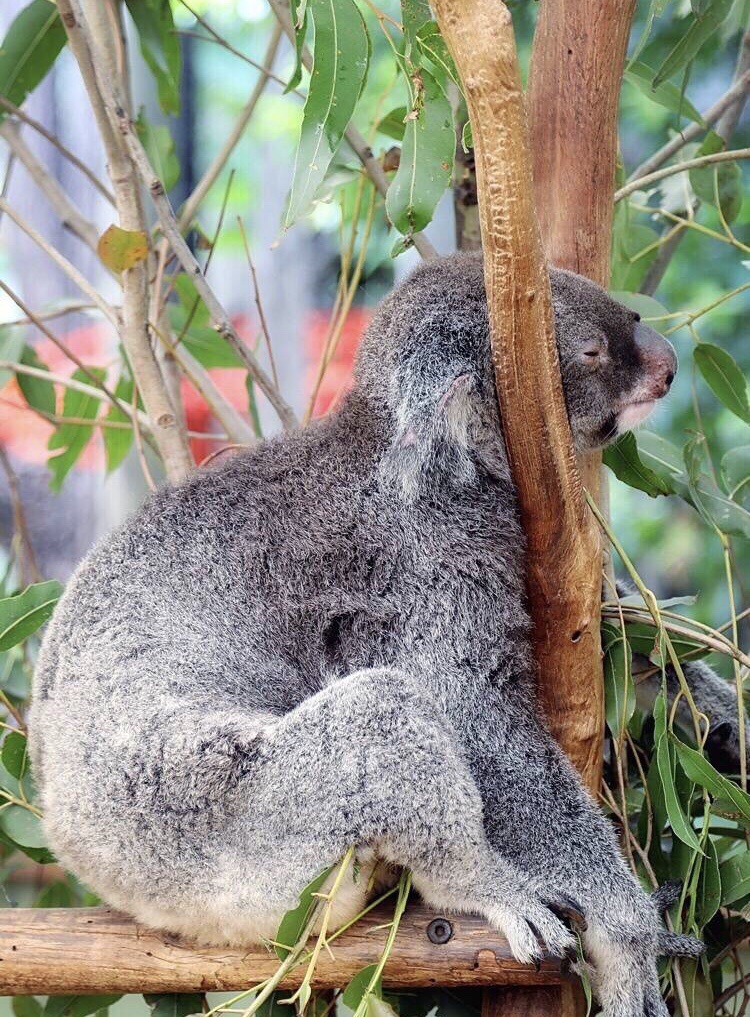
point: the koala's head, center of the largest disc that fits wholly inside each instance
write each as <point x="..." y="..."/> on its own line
<point x="426" y="361"/>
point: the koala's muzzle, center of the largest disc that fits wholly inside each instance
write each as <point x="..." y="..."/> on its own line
<point x="658" y="359"/>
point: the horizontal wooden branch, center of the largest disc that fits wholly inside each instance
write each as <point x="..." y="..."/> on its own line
<point x="97" y="951"/>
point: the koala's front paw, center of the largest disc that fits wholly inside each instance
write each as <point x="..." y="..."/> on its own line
<point x="532" y="926"/>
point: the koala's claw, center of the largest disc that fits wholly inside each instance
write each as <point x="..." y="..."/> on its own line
<point x="531" y="928"/>
<point x="569" y="911"/>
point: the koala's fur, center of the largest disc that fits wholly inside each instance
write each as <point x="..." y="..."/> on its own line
<point x="323" y="641"/>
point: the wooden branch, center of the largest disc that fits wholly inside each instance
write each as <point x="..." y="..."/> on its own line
<point x="639" y="183"/>
<point x="363" y="151"/>
<point x="97" y="64"/>
<point x="574" y="86"/>
<point x="72" y="158"/>
<point x="95" y="950"/>
<point x="563" y="563"/>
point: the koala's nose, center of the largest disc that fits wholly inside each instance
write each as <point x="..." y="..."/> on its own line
<point x="658" y="358"/>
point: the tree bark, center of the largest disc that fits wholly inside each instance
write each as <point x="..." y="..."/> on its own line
<point x="576" y="72"/>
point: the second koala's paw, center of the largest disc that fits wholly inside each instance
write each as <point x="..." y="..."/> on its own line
<point x="532" y="928"/>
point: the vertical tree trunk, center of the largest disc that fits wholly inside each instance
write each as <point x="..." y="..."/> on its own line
<point x="573" y="97"/>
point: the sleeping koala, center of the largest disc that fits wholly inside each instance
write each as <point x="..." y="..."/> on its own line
<point x="324" y="642"/>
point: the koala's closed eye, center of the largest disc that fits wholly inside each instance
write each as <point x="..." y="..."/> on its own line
<point x="593" y="352"/>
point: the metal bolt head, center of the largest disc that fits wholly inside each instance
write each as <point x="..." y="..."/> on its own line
<point x="439" y="931"/>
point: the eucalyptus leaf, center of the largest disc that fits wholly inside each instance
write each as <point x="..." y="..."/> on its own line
<point x="426" y="159"/>
<point x="691" y="41"/>
<point x="666" y="94"/>
<point x="735" y="470"/>
<point x="72" y="439"/>
<point x="118" y="440"/>
<point x="619" y="691"/>
<point x="15" y="754"/>
<point x="22" y="615"/>
<point x="699" y="770"/>
<point x="665" y="764"/>
<point x="294" y="921"/>
<point x="341" y="55"/>
<point x="623" y="459"/>
<point x="718" y="184"/>
<point x="432" y="45"/>
<point x="393" y="124"/>
<point x="175" y="1004"/>
<point x="706" y="496"/>
<point x="355" y="990"/>
<point x="26" y="1006"/>
<point x="30" y="47"/>
<point x="735" y="877"/>
<point x="160" y="46"/>
<point x="648" y="308"/>
<point x="158" y="141"/>
<point x="22" y="826"/>
<point x="38" y="393"/>
<point x="724" y="377"/>
<point x="77" y="1006"/>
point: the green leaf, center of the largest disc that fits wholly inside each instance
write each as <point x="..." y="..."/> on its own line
<point x="735" y="469"/>
<point x="56" y="895"/>
<point x="393" y="124"/>
<point x="710" y="501"/>
<point x="426" y="158"/>
<point x="118" y="440"/>
<point x="160" y="46"/>
<point x="159" y="144"/>
<point x="175" y="1004"/>
<point x="619" y="691"/>
<point x="355" y="990"/>
<point x="26" y="1006"/>
<point x="22" y="615"/>
<point x="29" y="49"/>
<point x="623" y="459"/>
<point x="665" y="765"/>
<point x="691" y="41"/>
<point x="294" y="921"/>
<point x="122" y="249"/>
<point x="377" y="1007"/>
<point x="72" y="438"/>
<point x="656" y="8"/>
<point x="735" y="877"/>
<point x="722" y="181"/>
<point x="22" y="826"/>
<point x="298" y="11"/>
<point x="708" y="894"/>
<point x="699" y="770"/>
<point x="666" y="94"/>
<point x="15" y="756"/>
<point x="37" y="392"/>
<point x="724" y="377"/>
<point x="11" y="346"/>
<point x="77" y="1006"/>
<point x="432" y="45"/>
<point x="414" y="14"/>
<point x="341" y="56"/>
<point x="467" y="137"/>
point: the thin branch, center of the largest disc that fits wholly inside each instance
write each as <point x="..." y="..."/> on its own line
<point x="218" y="40"/>
<point x="258" y="301"/>
<point x="363" y="151"/>
<point x="54" y="140"/>
<point x="28" y="567"/>
<point x="69" y="269"/>
<point x="90" y="43"/>
<point x="51" y="314"/>
<point x="640" y="183"/>
<point x="61" y="345"/>
<point x="170" y="227"/>
<point x="739" y="90"/>
<point x="64" y="208"/>
<point x="209" y="177"/>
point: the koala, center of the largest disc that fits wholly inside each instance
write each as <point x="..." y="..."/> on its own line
<point x="323" y="641"/>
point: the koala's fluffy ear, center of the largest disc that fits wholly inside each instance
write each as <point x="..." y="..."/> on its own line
<point x="435" y="415"/>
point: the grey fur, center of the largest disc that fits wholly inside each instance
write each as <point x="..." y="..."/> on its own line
<point x="324" y="641"/>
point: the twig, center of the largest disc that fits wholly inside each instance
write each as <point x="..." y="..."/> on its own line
<point x="54" y="140"/>
<point x="218" y="40"/>
<point x="363" y="151"/>
<point x="739" y="90"/>
<point x="61" y="345"/>
<point x="70" y="270"/>
<point x="30" y="570"/>
<point x="64" y="208"/>
<point x="50" y="314"/>
<point x="170" y="227"/>
<point x="89" y="41"/>
<point x="639" y="183"/>
<point x="208" y="179"/>
<point x="258" y="301"/>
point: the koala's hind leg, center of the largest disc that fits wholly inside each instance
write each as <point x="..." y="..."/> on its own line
<point x="369" y="761"/>
<point x="539" y="815"/>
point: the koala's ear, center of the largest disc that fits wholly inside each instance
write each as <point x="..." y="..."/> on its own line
<point x="434" y="414"/>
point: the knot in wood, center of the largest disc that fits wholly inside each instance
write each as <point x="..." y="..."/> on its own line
<point x="439" y="931"/>
<point x="165" y="420"/>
